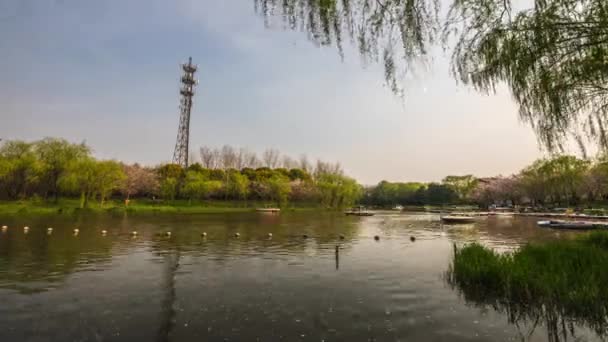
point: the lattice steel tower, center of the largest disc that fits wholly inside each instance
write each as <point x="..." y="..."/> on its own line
<point x="180" y="155"/>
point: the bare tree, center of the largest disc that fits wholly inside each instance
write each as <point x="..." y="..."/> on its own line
<point x="228" y="157"/>
<point x="304" y="163"/>
<point x="271" y="158"/>
<point x="251" y="160"/>
<point x="217" y="158"/>
<point x="289" y="163"/>
<point x="328" y="168"/>
<point x="241" y="158"/>
<point x="207" y="157"/>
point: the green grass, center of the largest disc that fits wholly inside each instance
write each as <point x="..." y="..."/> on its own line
<point x="566" y="277"/>
<point x="67" y="206"/>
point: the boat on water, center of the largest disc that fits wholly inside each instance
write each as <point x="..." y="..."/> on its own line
<point x="561" y="224"/>
<point x="268" y="210"/>
<point x="457" y="219"/>
<point x="359" y="211"/>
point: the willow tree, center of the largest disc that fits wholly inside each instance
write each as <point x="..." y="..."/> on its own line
<point x="552" y="54"/>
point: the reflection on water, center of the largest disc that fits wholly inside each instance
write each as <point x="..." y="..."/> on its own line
<point x="154" y="287"/>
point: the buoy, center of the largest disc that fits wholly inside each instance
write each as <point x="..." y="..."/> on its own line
<point x="304" y="236"/>
<point x="168" y="233"/>
<point x="49" y="230"/>
<point x="412" y="238"/>
<point x="76" y="231"/>
<point x="204" y="234"/>
<point x="26" y="229"/>
<point x="134" y="233"/>
<point x="104" y="232"/>
<point x="237" y="235"/>
<point x="269" y="235"/>
<point x="341" y="237"/>
<point x="5" y="227"/>
<point x="377" y="238"/>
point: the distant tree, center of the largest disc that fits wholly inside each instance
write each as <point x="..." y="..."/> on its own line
<point x="171" y="171"/>
<point x="237" y="186"/>
<point x="56" y="157"/>
<point x="440" y="194"/>
<point x="208" y="157"/>
<point x="279" y="189"/>
<point x="228" y="157"/>
<point x="300" y="174"/>
<point x="138" y="180"/>
<point x="270" y="158"/>
<point x="169" y="188"/>
<point x="462" y="185"/>
<point x="109" y="176"/>
<point x="21" y="168"/>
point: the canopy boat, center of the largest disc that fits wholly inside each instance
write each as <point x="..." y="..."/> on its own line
<point x="560" y="224"/>
<point x="457" y="219"/>
<point x="359" y="211"/>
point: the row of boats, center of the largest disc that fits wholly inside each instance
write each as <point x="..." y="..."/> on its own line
<point x="555" y="224"/>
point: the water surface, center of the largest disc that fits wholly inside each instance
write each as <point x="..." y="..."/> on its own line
<point x="152" y="287"/>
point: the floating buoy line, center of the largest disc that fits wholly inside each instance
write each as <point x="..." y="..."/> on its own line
<point x="134" y="233"/>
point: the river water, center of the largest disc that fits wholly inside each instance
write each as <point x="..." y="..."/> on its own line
<point x="288" y="287"/>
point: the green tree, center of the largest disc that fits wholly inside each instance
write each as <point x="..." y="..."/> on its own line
<point x="169" y="188"/>
<point x="462" y="185"/>
<point x="20" y="167"/>
<point x="237" y="186"/>
<point x="56" y="157"/>
<point x="109" y="176"/>
<point x="81" y="177"/>
<point x="279" y="189"/>
<point x="337" y="191"/>
<point x="552" y="54"/>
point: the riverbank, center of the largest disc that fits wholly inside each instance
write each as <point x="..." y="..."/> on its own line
<point x="68" y="206"/>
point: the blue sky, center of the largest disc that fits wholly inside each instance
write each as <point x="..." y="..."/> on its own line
<point x="107" y="72"/>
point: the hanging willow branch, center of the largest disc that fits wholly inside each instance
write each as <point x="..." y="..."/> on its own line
<point x="553" y="55"/>
<point x="391" y="32"/>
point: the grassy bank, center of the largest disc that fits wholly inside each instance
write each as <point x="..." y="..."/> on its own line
<point x="567" y="277"/>
<point x="67" y="206"/>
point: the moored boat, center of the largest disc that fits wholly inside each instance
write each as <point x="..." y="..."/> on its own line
<point x="457" y="219"/>
<point x="561" y="224"/>
<point x="268" y="210"/>
<point x="359" y="211"/>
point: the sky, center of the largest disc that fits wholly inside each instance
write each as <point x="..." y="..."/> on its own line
<point x="107" y="72"/>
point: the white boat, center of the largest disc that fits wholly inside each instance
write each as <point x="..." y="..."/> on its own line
<point x="457" y="219"/>
<point x="560" y="224"/>
<point x="359" y="211"/>
<point x="268" y="210"/>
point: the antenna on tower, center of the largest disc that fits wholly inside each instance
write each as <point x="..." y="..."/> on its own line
<point x="180" y="155"/>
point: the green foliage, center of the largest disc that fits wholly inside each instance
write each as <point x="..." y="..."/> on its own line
<point x="337" y="191"/>
<point x="552" y="54"/>
<point x="237" y="186"/>
<point x="279" y="189"/>
<point x="565" y="276"/>
<point x="388" y="194"/>
<point x="29" y="170"/>
<point x="463" y="186"/>
<point x="56" y="157"/>
<point x="20" y="168"/>
<point x="169" y="188"/>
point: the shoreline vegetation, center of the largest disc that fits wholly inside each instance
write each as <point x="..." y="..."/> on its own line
<point x="66" y="206"/>
<point x="554" y="281"/>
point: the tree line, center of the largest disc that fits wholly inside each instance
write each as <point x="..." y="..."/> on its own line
<point x="52" y="168"/>
<point x="558" y="181"/>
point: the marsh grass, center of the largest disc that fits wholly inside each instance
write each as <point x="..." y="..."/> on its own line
<point x="563" y="280"/>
